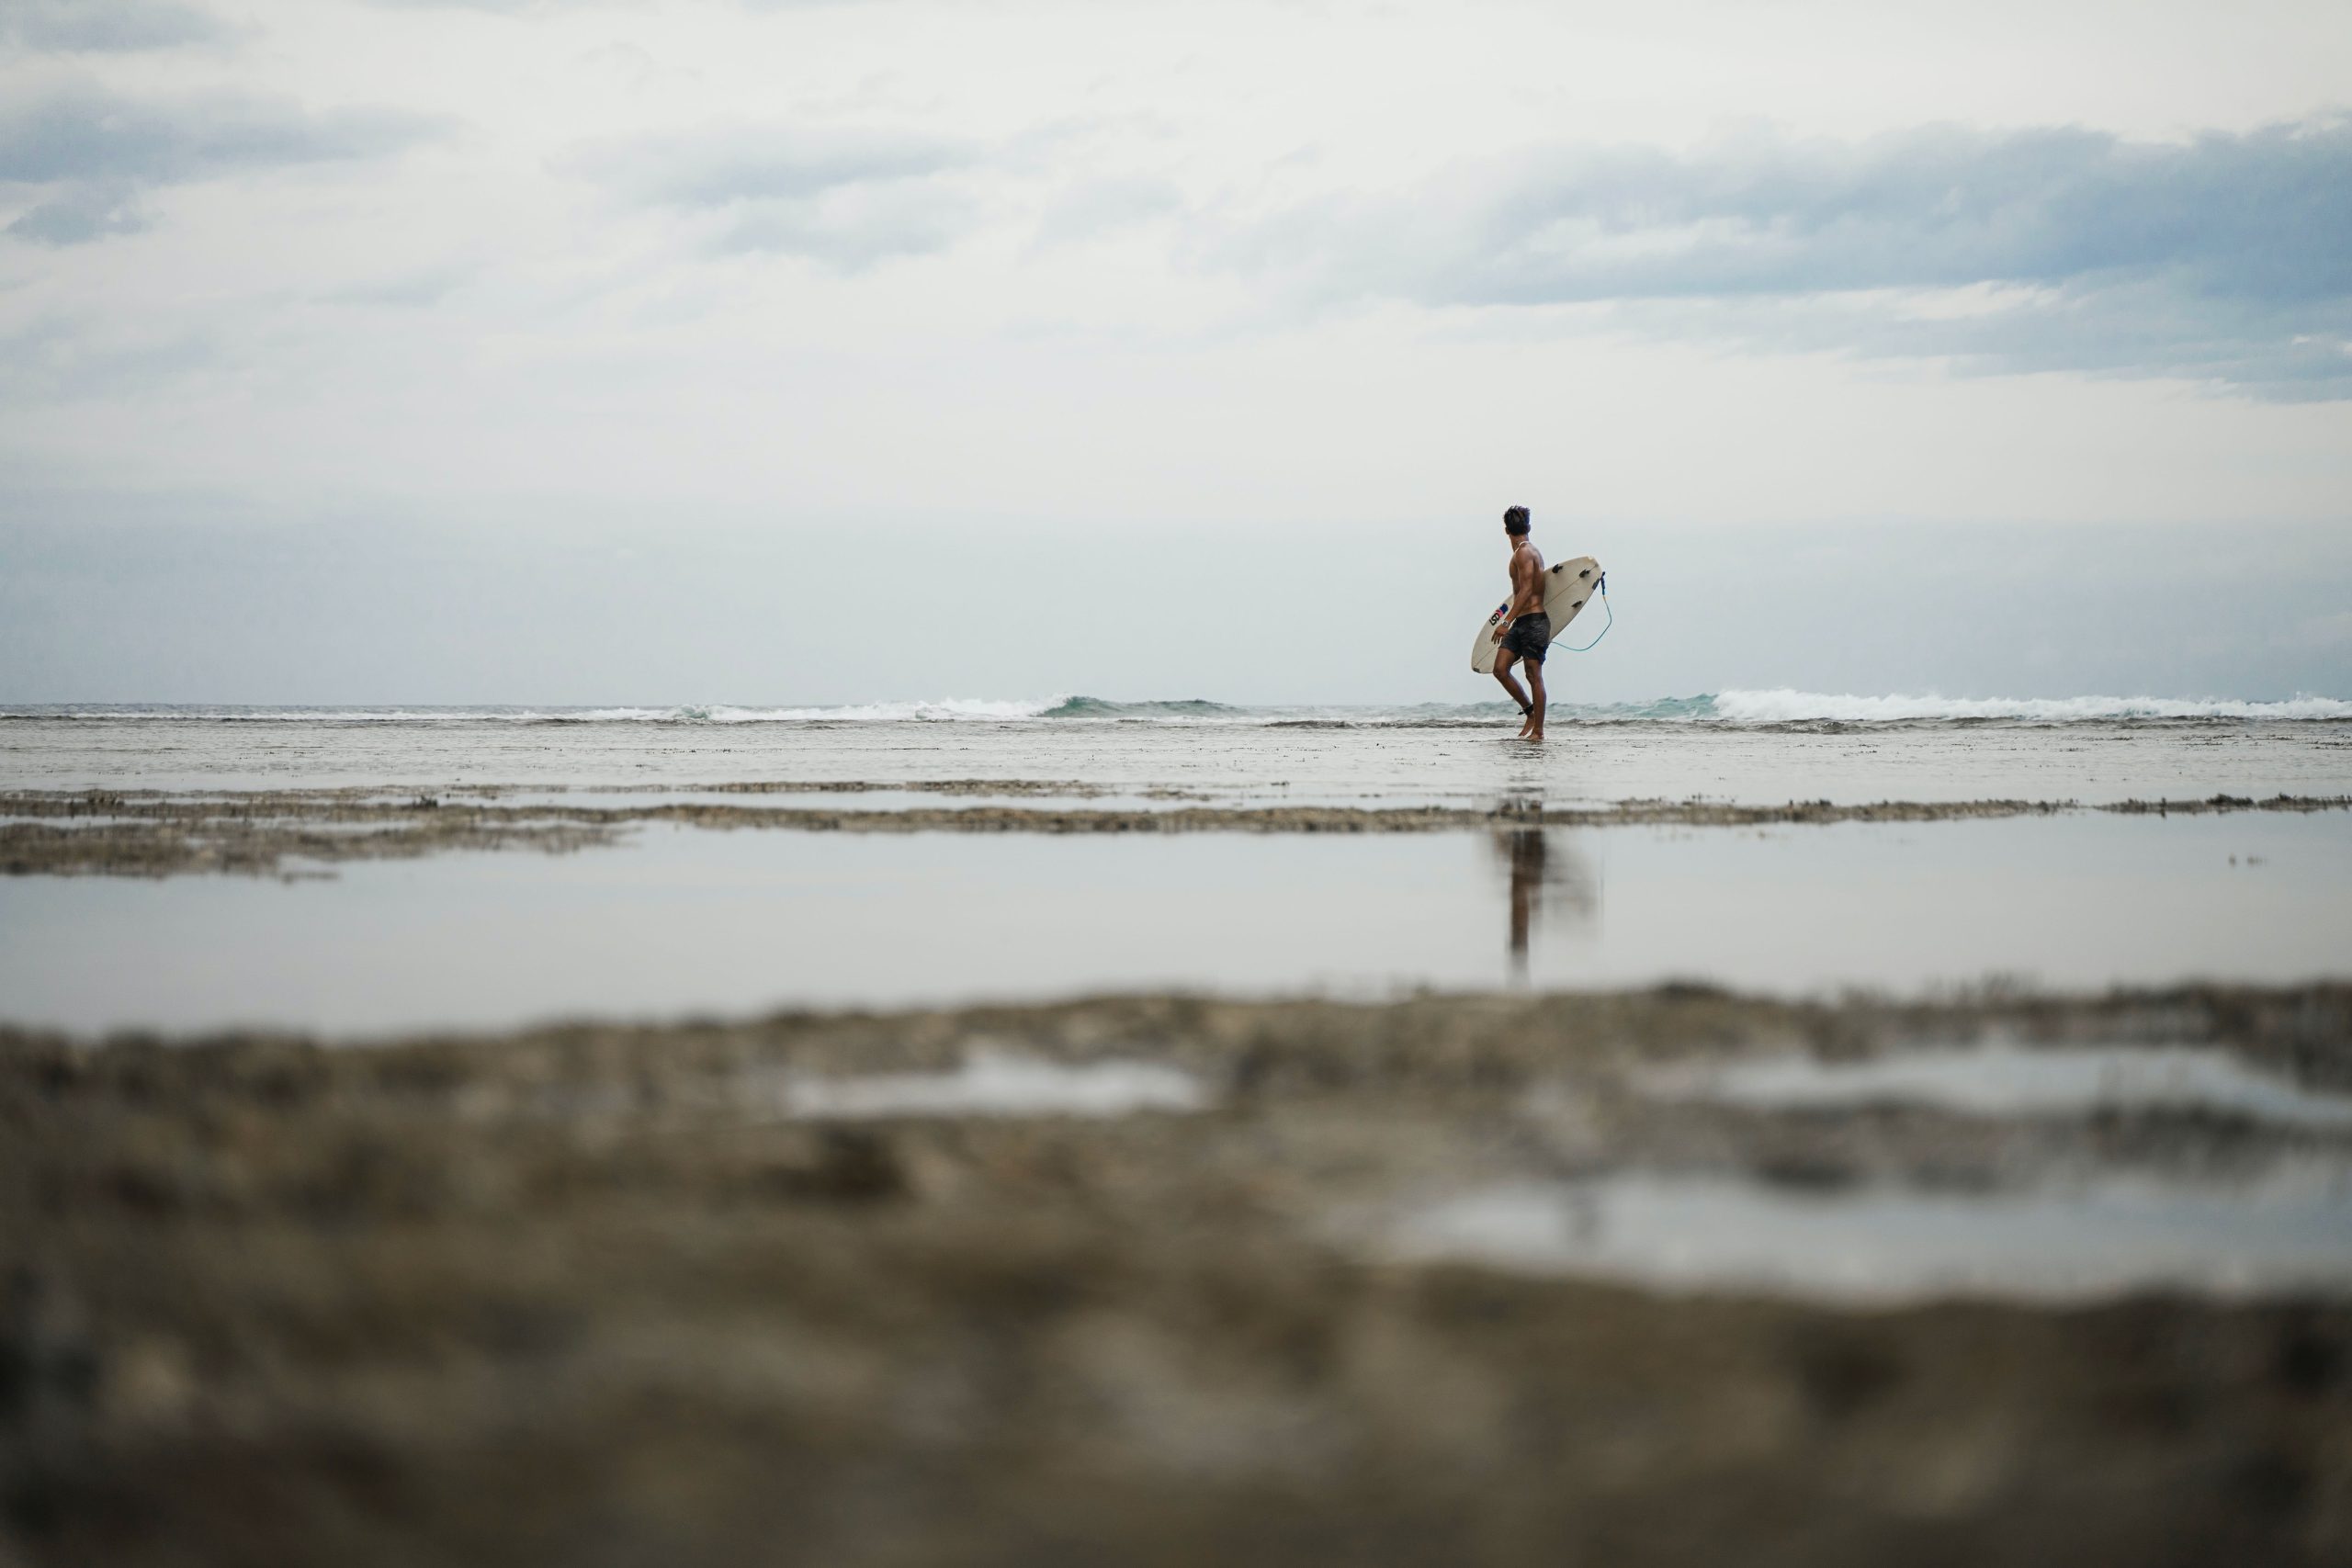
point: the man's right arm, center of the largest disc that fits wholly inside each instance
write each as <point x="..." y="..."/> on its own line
<point x="1512" y="611"/>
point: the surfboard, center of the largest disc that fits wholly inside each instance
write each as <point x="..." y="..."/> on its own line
<point x="1567" y="587"/>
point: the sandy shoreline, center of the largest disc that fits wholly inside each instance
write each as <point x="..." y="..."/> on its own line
<point x="600" y="1293"/>
<point x="138" y="833"/>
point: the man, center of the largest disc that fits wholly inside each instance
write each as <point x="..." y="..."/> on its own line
<point x="1525" y="634"/>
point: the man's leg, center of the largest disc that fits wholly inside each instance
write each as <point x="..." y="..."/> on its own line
<point x="1504" y="659"/>
<point x="1534" y="730"/>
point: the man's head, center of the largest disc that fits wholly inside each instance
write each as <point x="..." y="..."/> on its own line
<point x="1515" y="522"/>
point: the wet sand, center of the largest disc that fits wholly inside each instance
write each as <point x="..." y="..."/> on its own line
<point x="1242" y="763"/>
<point x="139" y="833"/>
<point x="817" y="1289"/>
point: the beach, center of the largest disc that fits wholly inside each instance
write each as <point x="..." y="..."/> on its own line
<point x="1169" y="1133"/>
<point x="927" y="785"/>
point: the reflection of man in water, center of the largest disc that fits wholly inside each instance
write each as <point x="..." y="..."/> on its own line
<point x="1539" y="866"/>
<point x="1524" y="850"/>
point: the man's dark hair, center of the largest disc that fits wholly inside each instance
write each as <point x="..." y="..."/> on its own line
<point x="1515" y="521"/>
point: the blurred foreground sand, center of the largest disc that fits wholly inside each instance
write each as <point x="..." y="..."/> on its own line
<point x="608" y="1295"/>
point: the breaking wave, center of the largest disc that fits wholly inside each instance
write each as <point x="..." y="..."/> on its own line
<point x="1096" y="707"/>
<point x="1784" y="707"/>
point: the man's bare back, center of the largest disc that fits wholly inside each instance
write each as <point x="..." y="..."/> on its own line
<point x="1526" y="579"/>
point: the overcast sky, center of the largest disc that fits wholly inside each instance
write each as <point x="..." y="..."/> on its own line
<point x="1075" y="286"/>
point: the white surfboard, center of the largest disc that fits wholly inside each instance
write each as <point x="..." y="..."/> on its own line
<point x="1567" y="585"/>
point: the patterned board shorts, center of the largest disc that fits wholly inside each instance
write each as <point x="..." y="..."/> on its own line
<point x="1528" y="638"/>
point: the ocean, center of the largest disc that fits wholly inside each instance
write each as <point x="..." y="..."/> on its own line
<point x="1743" y="746"/>
<point x="710" y="869"/>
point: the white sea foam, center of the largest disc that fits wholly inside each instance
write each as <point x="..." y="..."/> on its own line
<point x="876" y="713"/>
<point x="683" y="713"/>
<point x="1785" y="707"/>
<point x="2002" y="1078"/>
<point x="945" y="708"/>
<point x="1001" y="1083"/>
<point x="2286" y="1232"/>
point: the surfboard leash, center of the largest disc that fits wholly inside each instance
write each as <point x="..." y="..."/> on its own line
<point x="1588" y="648"/>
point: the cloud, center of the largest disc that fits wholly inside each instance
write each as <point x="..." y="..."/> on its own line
<point x="66" y="26"/>
<point x="499" y="8"/>
<point x="848" y="198"/>
<point x="84" y="152"/>
<point x="2227" y="257"/>
<point x="60" y="359"/>
<point x="1095" y="207"/>
<point x="81" y="214"/>
<point x="89" y="133"/>
<point x="2128" y="328"/>
<point x="530" y="8"/>
<point x="406" y="290"/>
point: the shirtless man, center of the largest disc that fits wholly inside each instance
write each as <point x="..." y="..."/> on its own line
<point x="1526" y="632"/>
